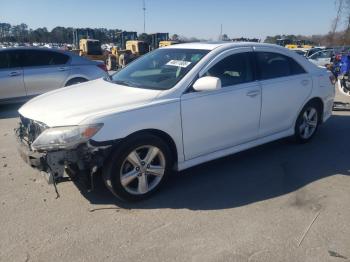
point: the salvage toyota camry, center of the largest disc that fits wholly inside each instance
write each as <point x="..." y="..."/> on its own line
<point x="172" y="109"/>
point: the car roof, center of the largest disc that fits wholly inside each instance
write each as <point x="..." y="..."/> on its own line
<point x="310" y="67"/>
<point x="36" y="48"/>
<point x="75" y="59"/>
<point x="214" y="45"/>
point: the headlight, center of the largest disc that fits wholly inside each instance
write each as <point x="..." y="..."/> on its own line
<point x="65" y="137"/>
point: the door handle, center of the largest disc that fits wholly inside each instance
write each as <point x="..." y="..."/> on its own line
<point x="15" y="73"/>
<point x="305" y="82"/>
<point x="62" y="69"/>
<point x="253" y="93"/>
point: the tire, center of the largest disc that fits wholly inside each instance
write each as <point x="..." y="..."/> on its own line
<point x="75" y="81"/>
<point x="72" y="171"/>
<point x="129" y="175"/>
<point x="307" y="123"/>
<point x="110" y="63"/>
<point x="345" y="87"/>
<point x="122" y="61"/>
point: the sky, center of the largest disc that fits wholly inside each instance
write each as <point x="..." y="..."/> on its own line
<point x="197" y="18"/>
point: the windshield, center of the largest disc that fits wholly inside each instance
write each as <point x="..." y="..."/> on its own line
<point x="94" y="48"/>
<point x="160" y="69"/>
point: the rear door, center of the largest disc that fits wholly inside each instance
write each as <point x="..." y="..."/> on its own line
<point x="11" y="75"/>
<point x="285" y="87"/>
<point x="44" y="70"/>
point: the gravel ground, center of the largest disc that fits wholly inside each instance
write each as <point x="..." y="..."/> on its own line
<point x="277" y="202"/>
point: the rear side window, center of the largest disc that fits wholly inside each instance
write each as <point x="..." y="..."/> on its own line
<point x="295" y="68"/>
<point x="9" y="59"/>
<point x="273" y="65"/>
<point x="44" y="58"/>
<point x="232" y="70"/>
<point x="4" y="61"/>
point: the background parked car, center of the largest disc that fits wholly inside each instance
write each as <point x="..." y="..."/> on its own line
<point x="27" y="72"/>
<point x="300" y="52"/>
<point x="322" y="58"/>
<point x="314" y="50"/>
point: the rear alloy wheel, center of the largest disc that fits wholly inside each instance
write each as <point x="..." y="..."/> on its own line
<point x="344" y="87"/>
<point x="307" y="123"/>
<point x="138" y="168"/>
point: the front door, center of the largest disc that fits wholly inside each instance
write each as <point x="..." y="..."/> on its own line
<point x="221" y="119"/>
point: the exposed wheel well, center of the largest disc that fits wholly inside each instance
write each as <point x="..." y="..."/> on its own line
<point x="162" y="135"/>
<point x="75" y="80"/>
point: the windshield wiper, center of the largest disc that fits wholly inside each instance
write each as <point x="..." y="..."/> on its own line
<point x="120" y="82"/>
<point x="126" y="83"/>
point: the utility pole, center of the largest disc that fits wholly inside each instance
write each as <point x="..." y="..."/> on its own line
<point x="220" y="37"/>
<point x="144" y="16"/>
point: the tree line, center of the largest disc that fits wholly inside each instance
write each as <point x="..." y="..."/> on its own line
<point x="23" y="34"/>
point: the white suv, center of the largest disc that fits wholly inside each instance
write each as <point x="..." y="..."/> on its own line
<point x="172" y="109"/>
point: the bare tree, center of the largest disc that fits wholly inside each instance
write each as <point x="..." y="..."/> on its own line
<point x="339" y="7"/>
<point x="347" y="22"/>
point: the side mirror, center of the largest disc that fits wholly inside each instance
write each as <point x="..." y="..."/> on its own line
<point x="207" y="83"/>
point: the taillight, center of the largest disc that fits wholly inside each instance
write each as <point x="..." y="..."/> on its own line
<point x="103" y="67"/>
<point x="333" y="79"/>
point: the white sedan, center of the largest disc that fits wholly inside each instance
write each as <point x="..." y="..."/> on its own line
<point x="172" y="109"/>
<point x="322" y="58"/>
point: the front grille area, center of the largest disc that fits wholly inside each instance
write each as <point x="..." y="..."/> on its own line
<point x="29" y="129"/>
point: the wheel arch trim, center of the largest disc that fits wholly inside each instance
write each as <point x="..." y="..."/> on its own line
<point x="157" y="132"/>
<point x="315" y="99"/>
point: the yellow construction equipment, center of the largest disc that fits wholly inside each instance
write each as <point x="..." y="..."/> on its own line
<point x="294" y="44"/>
<point x="167" y="43"/>
<point x="129" y="48"/>
<point x="91" y="48"/>
<point x="156" y="38"/>
<point x="119" y="58"/>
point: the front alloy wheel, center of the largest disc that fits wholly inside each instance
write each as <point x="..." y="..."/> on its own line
<point x="142" y="170"/>
<point x="138" y="167"/>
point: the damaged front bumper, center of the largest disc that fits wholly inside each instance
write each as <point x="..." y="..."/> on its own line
<point x="81" y="162"/>
<point x="51" y="164"/>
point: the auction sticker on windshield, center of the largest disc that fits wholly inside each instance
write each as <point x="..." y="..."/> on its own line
<point x="179" y="63"/>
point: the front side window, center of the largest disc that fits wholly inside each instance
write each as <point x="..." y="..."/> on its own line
<point x="232" y="70"/>
<point x="161" y="69"/>
<point x="44" y="58"/>
<point x="94" y="48"/>
<point x="274" y="65"/>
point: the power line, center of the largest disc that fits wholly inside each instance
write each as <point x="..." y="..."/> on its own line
<point x="144" y="16"/>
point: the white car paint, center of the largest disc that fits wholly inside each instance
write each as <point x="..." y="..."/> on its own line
<point x="274" y="96"/>
<point x="203" y="125"/>
<point x="80" y="101"/>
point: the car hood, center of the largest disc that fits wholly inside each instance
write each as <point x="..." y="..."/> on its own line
<point x="71" y="105"/>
